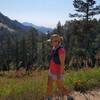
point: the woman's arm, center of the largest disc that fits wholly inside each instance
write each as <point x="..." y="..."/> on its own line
<point x="62" y="61"/>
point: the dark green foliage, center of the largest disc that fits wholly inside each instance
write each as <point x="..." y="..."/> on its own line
<point x="85" y="8"/>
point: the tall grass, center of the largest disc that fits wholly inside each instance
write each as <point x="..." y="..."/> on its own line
<point x="35" y="87"/>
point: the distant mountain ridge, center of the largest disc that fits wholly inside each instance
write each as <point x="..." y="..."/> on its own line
<point x="12" y="24"/>
<point x="9" y="26"/>
<point x="12" y="27"/>
<point x="39" y="28"/>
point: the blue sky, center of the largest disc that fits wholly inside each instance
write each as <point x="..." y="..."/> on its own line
<point x="39" y="12"/>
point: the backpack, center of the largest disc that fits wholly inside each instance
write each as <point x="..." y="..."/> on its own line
<point x="55" y="55"/>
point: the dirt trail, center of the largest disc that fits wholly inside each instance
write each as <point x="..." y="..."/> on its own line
<point x="91" y="95"/>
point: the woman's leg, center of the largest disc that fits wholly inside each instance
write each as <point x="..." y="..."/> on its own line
<point x="62" y="89"/>
<point x="49" y="87"/>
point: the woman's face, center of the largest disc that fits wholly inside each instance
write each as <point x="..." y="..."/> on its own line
<point x="54" y="42"/>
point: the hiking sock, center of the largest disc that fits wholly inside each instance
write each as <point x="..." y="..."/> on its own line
<point x="49" y="98"/>
<point x="70" y="97"/>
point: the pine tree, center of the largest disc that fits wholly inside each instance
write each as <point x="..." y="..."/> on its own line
<point x="85" y="9"/>
<point x="34" y="41"/>
<point x="23" y="51"/>
<point x="59" y="29"/>
<point x="16" y="51"/>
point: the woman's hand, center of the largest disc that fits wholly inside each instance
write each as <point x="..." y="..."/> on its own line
<point x="58" y="76"/>
<point x="62" y="70"/>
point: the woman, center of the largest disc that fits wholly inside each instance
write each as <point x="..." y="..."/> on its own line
<point x="56" y="68"/>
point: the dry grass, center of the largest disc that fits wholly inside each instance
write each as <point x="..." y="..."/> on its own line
<point x="34" y="87"/>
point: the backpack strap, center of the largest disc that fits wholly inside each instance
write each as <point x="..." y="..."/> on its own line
<point x="56" y="55"/>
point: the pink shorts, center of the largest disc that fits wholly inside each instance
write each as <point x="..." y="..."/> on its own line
<point x="54" y="76"/>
